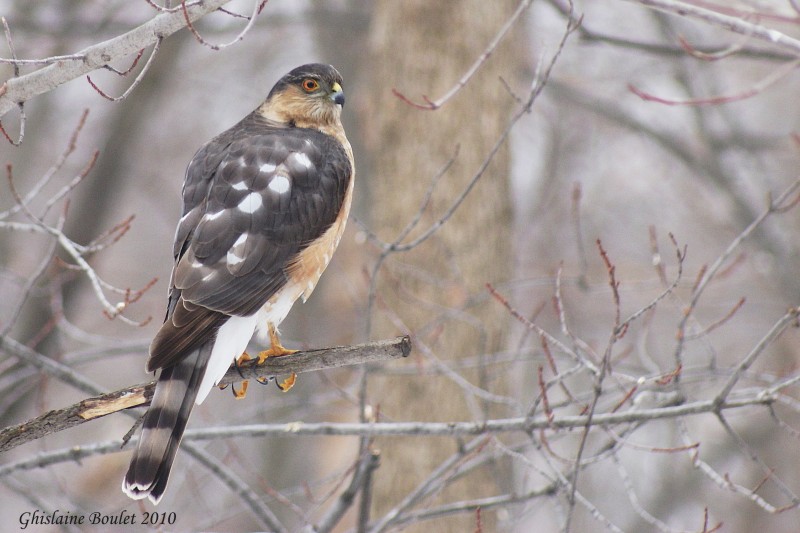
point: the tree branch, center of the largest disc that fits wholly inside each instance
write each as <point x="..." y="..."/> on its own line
<point x="140" y="395"/>
<point x="731" y="23"/>
<point x="22" y="88"/>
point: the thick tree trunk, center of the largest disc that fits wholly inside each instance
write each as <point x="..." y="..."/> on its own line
<point x="437" y="289"/>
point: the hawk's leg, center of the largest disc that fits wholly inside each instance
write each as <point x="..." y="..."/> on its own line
<point x="276" y="349"/>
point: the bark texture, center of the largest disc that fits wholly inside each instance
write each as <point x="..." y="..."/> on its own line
<point x="437" y="290"/>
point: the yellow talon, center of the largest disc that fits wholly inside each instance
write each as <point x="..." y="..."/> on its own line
<point x="287" y="383"/>
<point x="240" y="394"/>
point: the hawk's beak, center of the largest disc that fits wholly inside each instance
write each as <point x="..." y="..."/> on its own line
<point x="337" y="95"/>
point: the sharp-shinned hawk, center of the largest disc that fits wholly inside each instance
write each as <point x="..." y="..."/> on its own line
<point x="264" y="206"/>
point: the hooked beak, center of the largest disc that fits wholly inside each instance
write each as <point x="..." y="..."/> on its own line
<point x="337" y="95"/>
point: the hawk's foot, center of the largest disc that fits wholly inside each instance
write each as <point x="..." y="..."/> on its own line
<point x="240" y="394"/>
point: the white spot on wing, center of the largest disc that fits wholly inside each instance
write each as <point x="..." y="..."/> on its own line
<point x="236" y="252"/>
<point x="279" y="184"/>
<point x="241" y="240"/>
<point x="267" y="168"/>
<point x="250" y="203"/>
<point x="302" y="159"/>
<point x="239" y="186"/>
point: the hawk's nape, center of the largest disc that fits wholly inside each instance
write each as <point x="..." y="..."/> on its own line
<point x="264" y="206"/>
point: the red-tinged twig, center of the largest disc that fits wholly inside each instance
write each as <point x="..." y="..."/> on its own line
<point x="554" y="369"/>
<point x="705" y="523"/>
<point x="51" y="76"/>
<point x="136" y="80"/>
<point x="135" y="62"/>
<point x="714" y="325"/>
<point x="433" y="105"/>
<point x="478" y="522"/>
<point x="258" y="5"/>
<point x="624" y="400"/>
<point x="754" y="90"/>
<point x="669" y="378"/>
<point x="619" y="331"/>
<point x="548" y="413"/>
<point x="110" y="236"/>
<point x="712" y="56"/>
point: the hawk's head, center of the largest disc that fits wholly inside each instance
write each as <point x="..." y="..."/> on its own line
<point x="309" y="96"/>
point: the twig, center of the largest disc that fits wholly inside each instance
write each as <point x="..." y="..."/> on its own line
<point x="138" y="78"/>
<point x="754" y="90"/>
<point x="258" y="5"/>
<point x="431" y="105"/>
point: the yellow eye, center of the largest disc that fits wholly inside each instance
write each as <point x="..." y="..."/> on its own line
<point x="310" y="85"/>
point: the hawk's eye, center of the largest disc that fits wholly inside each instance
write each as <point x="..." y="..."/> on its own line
<point x="310" y="85"/>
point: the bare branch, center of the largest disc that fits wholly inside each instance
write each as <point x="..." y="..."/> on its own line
<point x="23" y="88"/>
<point x="138" y="395"/>
<point x="731" y="23"/>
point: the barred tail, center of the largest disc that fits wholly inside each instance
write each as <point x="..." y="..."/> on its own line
<point x="163" y="426"/>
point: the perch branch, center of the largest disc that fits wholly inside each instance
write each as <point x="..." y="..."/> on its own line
<point x="140" y="395"/>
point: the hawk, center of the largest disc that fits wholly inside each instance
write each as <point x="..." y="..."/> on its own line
<point x="264" y="207"/>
